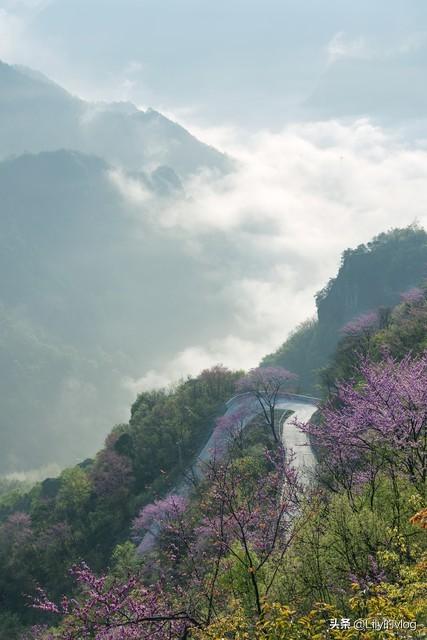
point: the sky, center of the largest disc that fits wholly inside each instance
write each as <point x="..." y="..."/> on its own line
<point x="274" y="230"/>
<point x="322" y="102"/>
<point x="250" y="63"/>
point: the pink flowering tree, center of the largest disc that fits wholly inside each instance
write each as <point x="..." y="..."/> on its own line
<point x="112" y="475"/>
<point x="16" y="530"/>
<point x="362" y="324"/>
<point x="245" y="517"/>
<point x="378" y="420"/>
<point x="266" y="384"/>
<point x="412" y="296"/>
<point x="248" y="520"/>
<point x="112" y="610"/>
<point x="159" y="514"/>
<point x="229" y="430"/>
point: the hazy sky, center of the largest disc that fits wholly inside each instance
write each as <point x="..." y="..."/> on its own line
<point x="252" y="63"/>
<point x="333" y="94"/>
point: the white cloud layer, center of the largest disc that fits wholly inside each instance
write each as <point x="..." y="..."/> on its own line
<point x="272" y="232"/>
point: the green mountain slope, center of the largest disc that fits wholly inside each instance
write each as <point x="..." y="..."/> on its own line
<point x="370" y="276"/>
<point x="89" y="509"/>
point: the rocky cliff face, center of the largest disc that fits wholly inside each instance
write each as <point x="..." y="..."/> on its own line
<point x="370" y="277"/>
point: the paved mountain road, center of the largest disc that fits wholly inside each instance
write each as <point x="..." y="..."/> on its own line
<point x="302" y="407"/>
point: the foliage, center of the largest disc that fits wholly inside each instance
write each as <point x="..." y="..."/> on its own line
<point x="266" y="384"/>
<point x="159" y="513"/>
<point x="370" y="277"/>
<point x="166" y="428"/>
<point x="364" y="323"/>
<point x="403" y="599"/>
<point x="401" y="330"/>
<point x="244" y="531"/>
<point x="248" y="551"/>
<point x="110" y="610"/>
<point x="420" y="518"/>
<point x="252" y="553"/>
<point x="302" y="352"/>
<point x="380" y="423"/>
<point x="88" y="510"/>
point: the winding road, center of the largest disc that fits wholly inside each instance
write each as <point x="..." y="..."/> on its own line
<point x="302" y="408"/>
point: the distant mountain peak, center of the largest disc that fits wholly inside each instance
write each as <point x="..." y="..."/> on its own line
<point x="38" y="115"/>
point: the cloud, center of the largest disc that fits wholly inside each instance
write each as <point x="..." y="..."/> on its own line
<point x="270" y="234"/>
<point x="412" y="42"/>
<point x="236" y="352"/>
<point x="35" y="475"/>
<point x="361" y="47"/>
<point x="26" y="5"/>
<point x="11" y="31"/>
<point x="341" y="46"/>
<point x="131" y="188"/>
<point x="18" y="43"/>
<point x="128" y="82"/>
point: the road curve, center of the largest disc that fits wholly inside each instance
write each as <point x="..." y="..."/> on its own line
<point x="302" y="407"/>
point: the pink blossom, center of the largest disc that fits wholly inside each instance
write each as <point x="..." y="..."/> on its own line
<point x="364" y="323"/>
<point x="383" y="416"/>
<point x="17" y="528"/>
<point x="112" y="473"/>
<point x="412" y="296"/>
<point x="111" y="610"/>
<point x="266" y="380"/>
<point x="159" y="513"/>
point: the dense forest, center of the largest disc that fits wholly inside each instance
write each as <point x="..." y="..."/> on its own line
<point x="254" y="551"/>
<point x="86" y="511"/>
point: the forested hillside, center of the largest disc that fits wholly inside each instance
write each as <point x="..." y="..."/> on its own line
<point x="254" y="550"/>
<point x="88" y="509"/>
<point x="370" y="276"/>
<point x="213" y="320"/>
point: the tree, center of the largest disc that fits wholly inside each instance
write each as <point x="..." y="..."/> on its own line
<point x="266" y="384"/>
<point x="378" y="421"/>
<point x="249" y="517"/>
<point x="114" y="610"/>
<point x="74" y="492"/>
<point x="156" y="516"/>
<point x="363" y="324"/>
<point x="239" y="535"/>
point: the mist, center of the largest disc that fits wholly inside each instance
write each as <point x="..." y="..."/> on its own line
<point x="140" y="246"/>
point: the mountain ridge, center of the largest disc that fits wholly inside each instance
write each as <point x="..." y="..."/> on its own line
<point x="80" y="310"/>
<point x="371" y="276"/>
<point x="37" y="114"/>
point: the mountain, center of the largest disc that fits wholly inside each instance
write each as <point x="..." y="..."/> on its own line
<point x="371" y="276"/>
<point x="100" y="509"/>
<point x="80" y="310"/>
<point x="38" y="115"/>
<point x="82" y="265"/>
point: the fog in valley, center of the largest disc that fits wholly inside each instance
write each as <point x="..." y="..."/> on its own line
<point x="175" y="186"/>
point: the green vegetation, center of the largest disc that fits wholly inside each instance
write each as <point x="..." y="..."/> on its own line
<point x="88" y="510"/>
<point x="89" y="290"/>
<point x="254" y="555"/>
<point x="370" y="277"/>
<point x="251" y="552"/>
